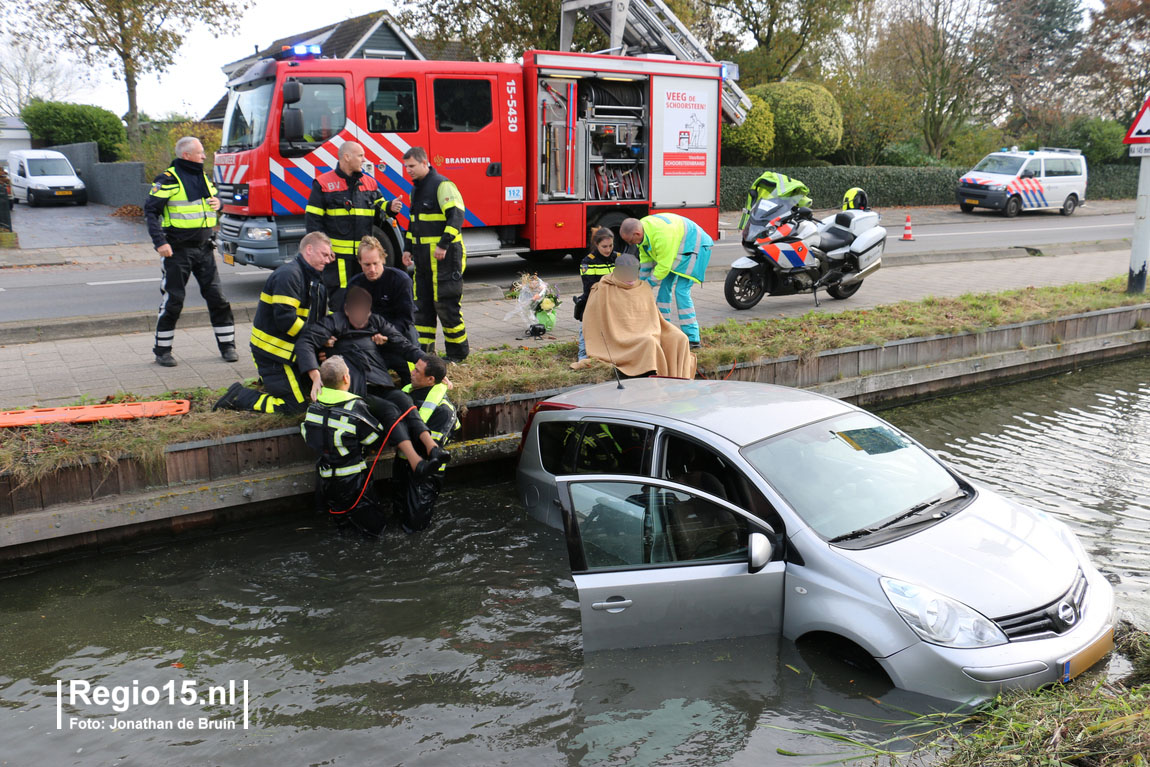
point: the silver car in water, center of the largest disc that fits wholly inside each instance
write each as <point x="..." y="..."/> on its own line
<point x="697" y="510"/>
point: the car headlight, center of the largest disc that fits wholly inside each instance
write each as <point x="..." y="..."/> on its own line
<point x="940" y="620"/>
<point x="80" y="185"/>
<point x="996" y="187"/>
<point x="37" y="185"/>
<point x="259" y="234"/>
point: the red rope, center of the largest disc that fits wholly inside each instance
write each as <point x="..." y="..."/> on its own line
<point x="378" y="453"/>
<point x="732" y="370"/>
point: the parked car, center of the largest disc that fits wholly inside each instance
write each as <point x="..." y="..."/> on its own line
<point x="41" y="175"/>
<point x="1011" y="181"/>
<point x="697" y="510"/>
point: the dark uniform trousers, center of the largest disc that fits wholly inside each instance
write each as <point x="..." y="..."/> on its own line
<point x="437" y="215"/>
<point x="199" y="260"/>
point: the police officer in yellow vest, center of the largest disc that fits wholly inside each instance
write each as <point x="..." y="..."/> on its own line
<point x="434" y="246"/>
<point x="181" y="216"/>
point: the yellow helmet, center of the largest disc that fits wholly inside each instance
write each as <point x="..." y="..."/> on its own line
<point x="855" y="199"/>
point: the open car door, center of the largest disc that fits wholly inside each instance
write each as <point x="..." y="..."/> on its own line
<point x="657" y="562"/>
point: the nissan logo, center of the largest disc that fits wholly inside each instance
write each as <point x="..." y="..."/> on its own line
<point x="1066" y="613"/>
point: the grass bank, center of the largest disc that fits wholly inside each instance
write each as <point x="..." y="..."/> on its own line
<point x="30" y="453"/>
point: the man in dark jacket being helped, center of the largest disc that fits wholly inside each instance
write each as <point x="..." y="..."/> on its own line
<point x="341" y="429"/>
<point x="360" y="338"/>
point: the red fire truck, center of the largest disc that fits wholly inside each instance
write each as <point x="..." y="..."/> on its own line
<point x="542" y="151"/>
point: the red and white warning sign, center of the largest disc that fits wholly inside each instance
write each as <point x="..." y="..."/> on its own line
<point x="1139" y="132"/>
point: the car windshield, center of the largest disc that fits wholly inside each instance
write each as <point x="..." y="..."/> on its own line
<point x="49" y="166"/>
<point x="1000" y="163"/>
<point x="246" y="121"/>
<point x="850" y="473"/>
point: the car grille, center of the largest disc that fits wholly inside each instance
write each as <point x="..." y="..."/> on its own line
<point x="1058" y="617"/>
<point x="226" y="193"/>
<point x="972" y="185"/>
<point x="230" y="229"/>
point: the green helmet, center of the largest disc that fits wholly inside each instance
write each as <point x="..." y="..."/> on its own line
<point x="855" y="199"/>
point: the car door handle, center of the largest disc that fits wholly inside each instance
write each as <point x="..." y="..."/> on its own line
<point x="613" y="605"/>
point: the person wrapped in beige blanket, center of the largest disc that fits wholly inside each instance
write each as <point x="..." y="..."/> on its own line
<point x="623" y="327"/>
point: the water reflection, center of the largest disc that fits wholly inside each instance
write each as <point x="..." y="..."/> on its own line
<point x="1076" y="446"/>
<point x="458" y="646"/>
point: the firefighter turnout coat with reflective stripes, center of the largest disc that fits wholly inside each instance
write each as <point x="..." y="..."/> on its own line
<point x="437" y="213"/>
<point x="435" y="410"/>
<point x="338" y="425"/>
<point x="675" y="245"/>
<point x="171" y="216"/>
<point x="345" y="209"/>
<point x="362" y="355"/>
<point x="293" y="296"/>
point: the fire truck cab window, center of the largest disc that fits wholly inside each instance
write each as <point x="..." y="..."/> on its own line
<point x="322" y="105"/>
<point x="391" y="105"/>
<point x="462" y="106"/>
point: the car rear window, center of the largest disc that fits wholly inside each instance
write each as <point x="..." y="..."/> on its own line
<point x="593" y="447"/>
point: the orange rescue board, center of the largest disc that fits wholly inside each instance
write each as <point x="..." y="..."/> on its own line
<point x="89" y="413"/>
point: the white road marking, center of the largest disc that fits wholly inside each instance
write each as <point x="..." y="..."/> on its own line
<point x="124" y="282"/>
<point x="1006" y="231"/>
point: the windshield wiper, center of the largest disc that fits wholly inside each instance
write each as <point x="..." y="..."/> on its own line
<point x="915" y="510"/>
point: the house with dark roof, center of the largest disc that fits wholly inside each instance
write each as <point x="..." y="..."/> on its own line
<point x="371" y="36"/>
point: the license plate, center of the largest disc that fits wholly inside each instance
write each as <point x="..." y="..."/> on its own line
<point x="1088" y="656"/>
<point x="63" y="192"/>
<point x="229" y="259"/>
<point x="972" y="202"/>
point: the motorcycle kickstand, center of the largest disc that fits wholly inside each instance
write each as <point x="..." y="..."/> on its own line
<point x="815" y="293"/>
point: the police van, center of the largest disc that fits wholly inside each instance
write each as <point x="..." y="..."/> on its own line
<point x="1011" y="181"/>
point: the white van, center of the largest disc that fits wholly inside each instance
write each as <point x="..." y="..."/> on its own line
<point x="1038" y="179"/>
<point x="41" y="175"/>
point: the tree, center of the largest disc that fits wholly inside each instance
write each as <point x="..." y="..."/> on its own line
<point x="808" y="120"/>
<point x="1116" y="58"/>
<point x="874" y="116"/>
<point x="781" y="31"/>
<point x="134" y="37"/>
<point x="27" y="74"/>
<point x="59" y="123"/>
<point x="1030" y="67"/>
<point x="750" y="143"/>
<point x="936" y="51"/>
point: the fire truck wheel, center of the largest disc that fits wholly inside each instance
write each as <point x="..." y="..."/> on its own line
<point x="392" y="249"/>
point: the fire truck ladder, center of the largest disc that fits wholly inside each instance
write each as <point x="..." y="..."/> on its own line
<point x="648" y="26"/>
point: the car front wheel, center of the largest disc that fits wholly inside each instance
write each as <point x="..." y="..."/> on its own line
<point x="1013" y="207"/>
<point x="1069" y="206"/>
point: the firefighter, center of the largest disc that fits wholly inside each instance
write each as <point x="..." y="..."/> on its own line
<point x="434" y="245"/>
<point x="338" y="426"/>
<point x="293" y="298"/>
<point x="772" y="184"/>
<point x="181" y="215"/>
<point x="415" y="497"/>
<point x="344" y="204"/>
<point x="673" y="255"/>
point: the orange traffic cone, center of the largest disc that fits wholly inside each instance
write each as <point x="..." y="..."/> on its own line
<point x="906" y="235"/>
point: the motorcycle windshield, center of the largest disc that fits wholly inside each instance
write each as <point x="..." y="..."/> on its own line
<point x="766" y="211"/>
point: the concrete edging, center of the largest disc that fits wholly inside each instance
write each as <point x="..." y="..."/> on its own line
<point x="207" y="481"/>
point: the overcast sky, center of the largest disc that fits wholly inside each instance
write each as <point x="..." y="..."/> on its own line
<point x="194" y="83"/>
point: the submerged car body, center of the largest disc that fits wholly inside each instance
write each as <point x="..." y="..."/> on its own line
<point x="695" y="510"/>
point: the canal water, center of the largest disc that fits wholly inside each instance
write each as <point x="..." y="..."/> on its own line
<point x="461" y="645"/>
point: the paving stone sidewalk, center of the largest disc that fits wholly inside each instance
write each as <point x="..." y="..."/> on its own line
<point x="61" y="372"/>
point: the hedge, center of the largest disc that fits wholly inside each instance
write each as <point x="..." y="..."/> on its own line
<point x="893" y="186"/>
<point x="58" y="122"/>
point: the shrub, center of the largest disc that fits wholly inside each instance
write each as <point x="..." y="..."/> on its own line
<point x="971" y="143"/>
<point x="1100" y="140"/>
<point x="808" y="120"/>
<point x="156" y="147"/>
<point x="908" y="154"/>
<point x="874" y="116"/>
<point x="1111" y="182"/>
<point x="57" y="122"/>
<point x="750" y="143"/>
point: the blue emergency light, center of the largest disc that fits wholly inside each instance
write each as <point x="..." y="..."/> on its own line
<point x="300" y="51"/>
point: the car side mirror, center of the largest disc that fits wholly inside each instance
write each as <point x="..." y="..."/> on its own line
<point x="761" y="550"/>
<point x="1028" y="174"/>
<point x="292" y="128"/>
<point x="79" y="174"/>
<point x="292" y="92"/>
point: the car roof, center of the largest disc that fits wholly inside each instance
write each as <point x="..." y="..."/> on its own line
<point x="741" y="411"/>
<point x="36" y="154"/>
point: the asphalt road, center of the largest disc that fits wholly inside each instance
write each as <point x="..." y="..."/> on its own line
<point x="30" y="294"/>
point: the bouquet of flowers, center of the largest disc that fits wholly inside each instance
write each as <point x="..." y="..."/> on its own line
<point x="536" y="301"/>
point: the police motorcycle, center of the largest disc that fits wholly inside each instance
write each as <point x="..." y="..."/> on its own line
<point x="789" y="252"/>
